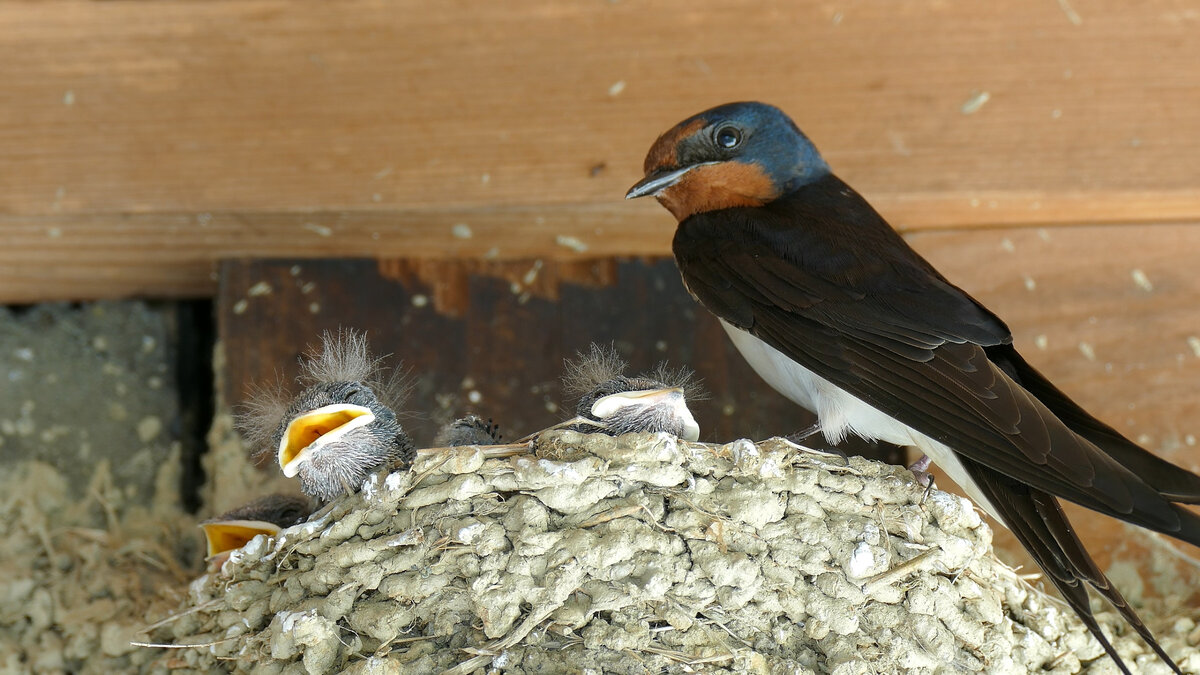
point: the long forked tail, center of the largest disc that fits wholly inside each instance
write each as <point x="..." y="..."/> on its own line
<point x="1038" y="521"/>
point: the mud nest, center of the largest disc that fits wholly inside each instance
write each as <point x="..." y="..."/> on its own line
<point x="632" y="555"/>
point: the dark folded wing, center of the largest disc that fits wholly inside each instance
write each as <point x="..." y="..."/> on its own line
<point x="890" y="331"/>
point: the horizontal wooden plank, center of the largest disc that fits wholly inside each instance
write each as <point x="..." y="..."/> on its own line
<point x="128" y="118"/>
<point x="175" y="255"/>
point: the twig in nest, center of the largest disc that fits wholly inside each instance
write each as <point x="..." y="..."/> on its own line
<point x="688" y="659"/>
<point x="489" y="451"/>
<point x="167" y="645"/>
<point x="386" y="647"/>
<point x="614" y="514"/>
<point x="726" y="629"/>
<point x="890" y="576"/>
<point x="166" y="620"/>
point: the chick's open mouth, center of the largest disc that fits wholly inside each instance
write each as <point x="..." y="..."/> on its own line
<point x="315" y="428"/>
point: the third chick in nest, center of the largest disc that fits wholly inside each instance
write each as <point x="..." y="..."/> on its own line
<point x="612" y="403"/>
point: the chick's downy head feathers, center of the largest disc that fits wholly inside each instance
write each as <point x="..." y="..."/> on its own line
<point x="342" y="426"/>
<point x="611" y="402"/>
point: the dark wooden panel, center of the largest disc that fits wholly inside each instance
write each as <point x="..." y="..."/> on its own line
<point x="507" y="342"/>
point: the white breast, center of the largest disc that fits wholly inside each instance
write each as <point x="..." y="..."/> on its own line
<point x="839" y="413"/>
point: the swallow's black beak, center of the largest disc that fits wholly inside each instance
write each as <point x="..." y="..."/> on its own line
<point x="657" y="181"/>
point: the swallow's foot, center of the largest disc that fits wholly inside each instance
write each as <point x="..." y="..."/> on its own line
<point x="803" y="435"/>
<point x="920" y="470"/>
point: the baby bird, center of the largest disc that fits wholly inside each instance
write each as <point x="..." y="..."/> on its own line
<point x="468" y="430"/>
<point x="268" y="515"/>
<point x="614" y="404"/>
<point x="341" y="427"/>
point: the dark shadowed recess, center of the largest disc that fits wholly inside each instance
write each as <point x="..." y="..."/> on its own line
<point x="194" y="339"/>
<point x="491" y="337"/>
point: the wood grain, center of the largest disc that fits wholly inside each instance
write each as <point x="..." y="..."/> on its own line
<point x="144" y="141"/>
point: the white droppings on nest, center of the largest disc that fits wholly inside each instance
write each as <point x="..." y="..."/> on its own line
<point x="862" y="562"/>
<point x="601" y="554"/>
<point x="370" y="486"/>
<point x="259" y="289"/>
<point x="256" y="546"/>
<point x="562" y="470"/>
<point x="393" y="481"/>
<point x="468" y="534"/>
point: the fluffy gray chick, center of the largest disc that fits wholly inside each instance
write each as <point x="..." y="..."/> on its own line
<point x="468" y="430"/>
<point x="612" y="403"/>
<point x="341" y="428"/>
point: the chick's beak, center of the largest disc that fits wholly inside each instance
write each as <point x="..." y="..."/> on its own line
<point x="228" y="535"/>
<point x="672" y="397"/>
<point x="315" y="428"/>
<point x="661" y="179"/>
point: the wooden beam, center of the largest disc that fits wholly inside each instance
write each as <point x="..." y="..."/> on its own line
<point x="184" y="131"/>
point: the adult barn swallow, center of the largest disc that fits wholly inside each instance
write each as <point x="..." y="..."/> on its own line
<point x="268" y="515"/>
<point x="614" y="404"/>
<point x="834" y="310"/>
<point x="341" y="427"/>
<point x="468" y="430"/>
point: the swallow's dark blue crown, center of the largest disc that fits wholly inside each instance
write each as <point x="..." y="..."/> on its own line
<point x="769" y="138"/>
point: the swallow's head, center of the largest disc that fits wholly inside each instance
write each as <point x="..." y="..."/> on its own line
<point x="618" y="404"/>
<point x="737" y="154"/>
<point x="342" y="426"/>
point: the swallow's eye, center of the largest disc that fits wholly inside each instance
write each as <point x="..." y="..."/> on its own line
<point x="728" y="138"/>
